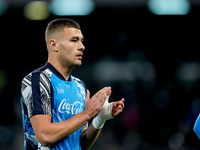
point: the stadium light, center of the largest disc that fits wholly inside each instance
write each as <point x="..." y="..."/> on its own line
<point x="71" y="7"/>
<point x="169" y="7"/>
<point x="36" y="10"/>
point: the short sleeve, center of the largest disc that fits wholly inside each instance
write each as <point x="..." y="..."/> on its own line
<point x="36" y="94"/>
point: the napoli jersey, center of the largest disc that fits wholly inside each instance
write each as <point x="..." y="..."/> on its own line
<point x="196" y="127"/>
<point x="45" y="91"/>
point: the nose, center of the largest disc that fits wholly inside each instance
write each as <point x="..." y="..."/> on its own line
<point x="81" y="47"/>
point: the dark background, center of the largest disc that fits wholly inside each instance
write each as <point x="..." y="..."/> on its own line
<point x="152" y="61"/>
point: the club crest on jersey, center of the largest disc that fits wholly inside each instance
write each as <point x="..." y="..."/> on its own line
<point x="74" y="108"/>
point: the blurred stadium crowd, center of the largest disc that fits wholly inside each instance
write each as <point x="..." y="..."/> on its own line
<point x="152" y="61"/>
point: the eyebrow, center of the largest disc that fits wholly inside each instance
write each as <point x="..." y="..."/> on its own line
<point x="77" y="38"/>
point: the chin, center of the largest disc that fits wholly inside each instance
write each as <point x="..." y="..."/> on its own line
<point x="78" y="64"/>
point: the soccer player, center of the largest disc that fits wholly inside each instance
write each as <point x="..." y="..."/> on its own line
<point x="56" y="106"/>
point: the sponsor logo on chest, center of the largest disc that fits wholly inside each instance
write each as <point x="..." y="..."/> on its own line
<point x="73" y="108"/>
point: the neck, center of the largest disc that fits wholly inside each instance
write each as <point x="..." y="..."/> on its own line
<point x="65" y="71"/>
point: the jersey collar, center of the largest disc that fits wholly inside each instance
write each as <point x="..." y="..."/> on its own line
<point x="56" y="72"/>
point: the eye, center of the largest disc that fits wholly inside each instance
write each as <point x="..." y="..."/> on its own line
<point x="73" y="40"/>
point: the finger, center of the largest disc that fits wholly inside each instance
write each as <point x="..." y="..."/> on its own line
<point x="105" y="94"/>
<point x="100" y="92"/>
<point x="122" y="102"/>
<point x="101" y="95"/>
<point x="104" y="97"/>
<point x="87" y="96"/>
<point x="108" y="92"/>
<point x="120" y="108"/>
<point x="117" y="111"/>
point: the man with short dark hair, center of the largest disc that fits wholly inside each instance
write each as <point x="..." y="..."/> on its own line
<point x="56" y="106"/>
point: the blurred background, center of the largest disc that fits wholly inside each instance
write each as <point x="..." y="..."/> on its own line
<point x="146" y="50"/>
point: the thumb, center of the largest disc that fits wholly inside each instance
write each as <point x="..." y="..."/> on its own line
<point x="87" y="96"/>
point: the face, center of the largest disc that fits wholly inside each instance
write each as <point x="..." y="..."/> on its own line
<point x="70" y="47"/>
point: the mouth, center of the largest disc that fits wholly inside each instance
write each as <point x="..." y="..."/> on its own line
<point x="79" y="56"/>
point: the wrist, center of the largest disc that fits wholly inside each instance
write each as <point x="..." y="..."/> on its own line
<point x="97" y="122"/>
<point x="86" y="115"/>
<point x="105" y="114"/>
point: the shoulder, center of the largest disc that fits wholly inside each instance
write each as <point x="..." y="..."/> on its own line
<point x="43" y="71"/>
<point x="37" y="77"/>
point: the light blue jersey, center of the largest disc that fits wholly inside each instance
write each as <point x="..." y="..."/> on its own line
<point x="196" y="127"/>
<point x="45" y="91"/>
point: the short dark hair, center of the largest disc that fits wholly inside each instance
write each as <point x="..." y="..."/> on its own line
<point x="58" y="25"/>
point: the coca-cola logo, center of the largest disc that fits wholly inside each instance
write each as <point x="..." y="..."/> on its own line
<point x="74" y="108"/>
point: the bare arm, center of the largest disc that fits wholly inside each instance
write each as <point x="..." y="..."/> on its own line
<point x="89" y="137"/>
<point x="48" y="133"/>
<point x="91" y="134"/>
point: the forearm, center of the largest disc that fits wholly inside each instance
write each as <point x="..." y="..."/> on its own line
<point x="108" y="111"/>
<point x="48" y="133"/>
<point x="92" y="133"/>
<point x="62" y="129"/>
<point x="89" y="137"/>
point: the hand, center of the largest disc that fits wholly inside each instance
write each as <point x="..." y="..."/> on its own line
<point x="117" y="107"/>
<point x="94" y="104"/>
<point x="109" y="111"/>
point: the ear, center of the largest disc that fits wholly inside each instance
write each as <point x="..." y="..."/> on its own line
<point x="53" y="44"/>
